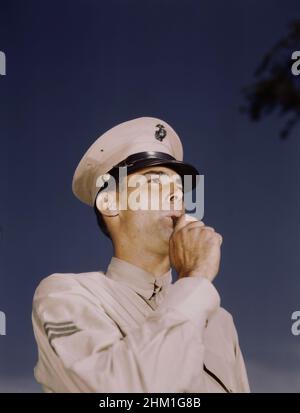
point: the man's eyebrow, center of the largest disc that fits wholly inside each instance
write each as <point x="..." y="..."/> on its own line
<point x="152" y="171"/>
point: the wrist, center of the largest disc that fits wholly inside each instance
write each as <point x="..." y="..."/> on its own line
<point x="197" y="272"/>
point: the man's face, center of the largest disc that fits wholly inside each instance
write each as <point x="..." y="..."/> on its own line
<point x="154" y="198"/>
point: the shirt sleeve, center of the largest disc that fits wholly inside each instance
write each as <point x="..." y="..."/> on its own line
<point x="164" y="354"/>
<point x="241" y="372"/>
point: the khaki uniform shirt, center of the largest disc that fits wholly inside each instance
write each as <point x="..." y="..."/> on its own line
<point x="127" y="331"/>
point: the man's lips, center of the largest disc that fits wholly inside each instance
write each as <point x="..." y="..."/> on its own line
<point x="174" y="217"/>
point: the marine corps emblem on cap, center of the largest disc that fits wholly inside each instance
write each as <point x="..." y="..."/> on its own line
<point x="161" y="133"/>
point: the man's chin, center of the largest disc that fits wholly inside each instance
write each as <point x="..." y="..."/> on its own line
<point x="164" y="240"/>
<point x="167" y="235"/>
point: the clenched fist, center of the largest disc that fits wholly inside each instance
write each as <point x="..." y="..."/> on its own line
<point x="195" y="249"/>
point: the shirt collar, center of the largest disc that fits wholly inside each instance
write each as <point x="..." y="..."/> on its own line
<point x="141" y="281"/>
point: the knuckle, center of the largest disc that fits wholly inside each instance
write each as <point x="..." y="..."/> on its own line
<point x="217" y="238"/>
<point x="209" y="229"/>
<point x="207" y="233"/>
<point x="192" y="225"/>
<point x="201" y="223"/>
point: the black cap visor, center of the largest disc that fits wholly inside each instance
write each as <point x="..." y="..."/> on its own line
<point x="146" y="159"/>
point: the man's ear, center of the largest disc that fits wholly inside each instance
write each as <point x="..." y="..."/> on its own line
<point x="106" y="203"/>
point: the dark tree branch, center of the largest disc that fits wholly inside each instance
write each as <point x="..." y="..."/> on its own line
<point x="276" y="87"/>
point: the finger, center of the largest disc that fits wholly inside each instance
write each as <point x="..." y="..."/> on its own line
<point x="190" y="218"/>
<point x="186" y="220"/>
<point x="197" y="224"/>
<point x="209" y="228"/>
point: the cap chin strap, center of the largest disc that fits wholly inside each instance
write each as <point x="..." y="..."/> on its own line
<point x="141" y="156"/>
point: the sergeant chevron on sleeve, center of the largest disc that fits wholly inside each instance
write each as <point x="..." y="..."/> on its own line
<point x="130" y="328"/>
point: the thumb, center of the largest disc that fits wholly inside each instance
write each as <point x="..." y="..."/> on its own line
<point x="182" y="221"/>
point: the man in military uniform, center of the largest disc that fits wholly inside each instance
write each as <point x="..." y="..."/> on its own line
<point x="130" y="329"/>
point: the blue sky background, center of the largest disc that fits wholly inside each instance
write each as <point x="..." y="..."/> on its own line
<point x="77" y="68"/>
